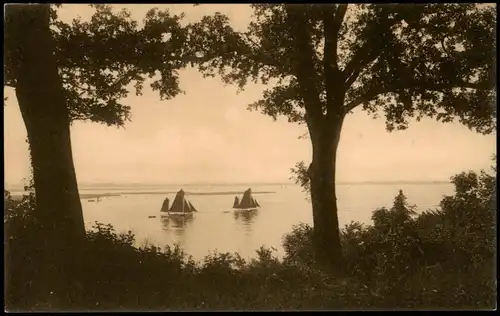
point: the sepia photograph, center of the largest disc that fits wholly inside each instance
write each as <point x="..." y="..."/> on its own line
<point x="250" y="157"/>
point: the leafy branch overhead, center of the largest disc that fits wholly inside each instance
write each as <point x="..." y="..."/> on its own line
<point x="102" y="59"/>
<point x="408" y="60"/>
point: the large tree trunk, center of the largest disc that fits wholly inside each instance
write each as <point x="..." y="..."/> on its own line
<point x="30" y="47"/>
<point x="323" y="194"/>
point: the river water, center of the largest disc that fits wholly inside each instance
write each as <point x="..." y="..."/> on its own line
<point x="216" y="227"/>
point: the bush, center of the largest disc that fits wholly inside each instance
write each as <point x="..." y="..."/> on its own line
<point x="298" y="245"/>
<point x="439" y="258"/>
<point x="22" y="247"/>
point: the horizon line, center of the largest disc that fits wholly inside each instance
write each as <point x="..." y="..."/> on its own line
<point x="83" y="184"/>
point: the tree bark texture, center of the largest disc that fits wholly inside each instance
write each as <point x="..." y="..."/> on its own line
<point x="29" y="47"/>
<point x="323" y="193"/>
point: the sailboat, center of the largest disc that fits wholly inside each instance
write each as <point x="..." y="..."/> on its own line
<point x="180" y="206"/>
<point x="236" y="202"/>
<point x="247" y="203"/>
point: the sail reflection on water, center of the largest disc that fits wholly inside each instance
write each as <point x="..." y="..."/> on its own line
<point x="246" y="218"/>
<point x="176" y="224"/>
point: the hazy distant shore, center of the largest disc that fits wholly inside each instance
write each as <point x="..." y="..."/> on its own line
<point x="90" y="186"/>
<point x="122" y="186"/>
<point x="116" y="190"/>
<point x="84" y="196"/>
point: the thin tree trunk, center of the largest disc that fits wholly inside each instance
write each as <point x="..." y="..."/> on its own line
<point x="323" y="195"/>
<point x="41" y="101"/>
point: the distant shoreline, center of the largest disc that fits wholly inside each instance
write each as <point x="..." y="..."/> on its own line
<point x="111" y="186"/>
<point x="116" y="185"/>
<point x="84" y="196"/>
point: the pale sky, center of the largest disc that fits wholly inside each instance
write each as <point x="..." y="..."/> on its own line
<point x="208" y="135"/>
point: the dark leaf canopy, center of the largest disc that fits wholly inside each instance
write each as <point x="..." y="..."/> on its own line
<point x="102" y="59"/>
<point x="407" y="60"/>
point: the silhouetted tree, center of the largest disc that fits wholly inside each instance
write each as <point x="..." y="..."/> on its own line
<point x="93" y="65"/>
<point x="100" y="60"/>
<point x="81" y="71"/>
<point x="323" y="61"/>
<point x="29" y="51"/>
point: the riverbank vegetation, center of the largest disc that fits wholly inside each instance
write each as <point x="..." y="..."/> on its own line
<point x="438" y="259"/>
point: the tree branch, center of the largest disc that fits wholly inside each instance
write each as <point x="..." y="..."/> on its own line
<point x="337" y="23"/>
<point x="365" y="98"/>
<point x="251" y="40"/>
<point x="371" y="94"/>
<point x="127" y="76"/>
<point x="332" y="21"/>
<point x="304" y="66"/>
<point x="357" y="64"/>
<point x="445" y="48"/>
<point x="9" y="84"/>
<point x="84" y="90"/>
<point x="370" y="49"/>
<point x="263" y="58"/>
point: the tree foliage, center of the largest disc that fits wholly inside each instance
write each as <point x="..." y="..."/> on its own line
<point x="100" y="60"/>
<point x="402" y="61"/>
<point x="301" y="176"/>
<point x="448" y="250"/>
<point x="405" y="60"/>
<point x="400" y="214"/>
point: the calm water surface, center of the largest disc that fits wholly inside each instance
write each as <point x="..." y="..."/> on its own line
<point x="216" y="227"/>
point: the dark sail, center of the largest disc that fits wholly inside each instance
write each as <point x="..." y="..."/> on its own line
<point x="185" y="207"/>
<point x="254" y="203"/>
<point x="178" y="204"/>
<point x="165" y="206"/>
<point x="236" y="203"/>
<point x="181" y="205"/>
<point x="191" y="207"/>
<point x="246" y="201"/>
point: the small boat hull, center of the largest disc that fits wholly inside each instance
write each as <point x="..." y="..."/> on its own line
<point x="246" y="209"/>
<point x="181" y="214"/>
